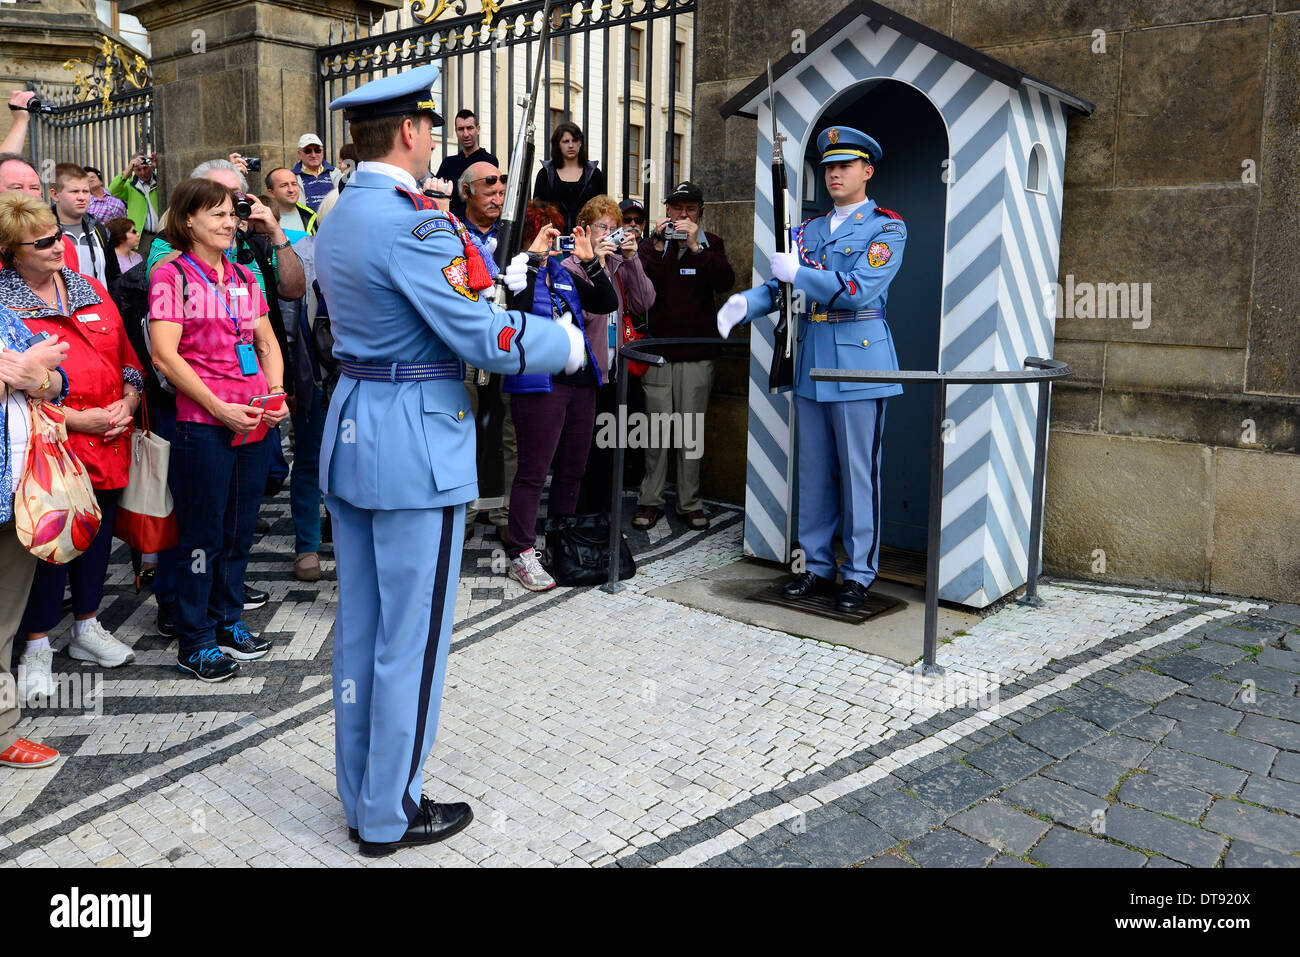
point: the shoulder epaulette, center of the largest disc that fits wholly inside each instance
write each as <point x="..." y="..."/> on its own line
<point x="888" y="212"/>
<point x="418" y="200"/>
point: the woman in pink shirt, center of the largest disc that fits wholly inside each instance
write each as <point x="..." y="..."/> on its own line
<point x="211" y="339"/>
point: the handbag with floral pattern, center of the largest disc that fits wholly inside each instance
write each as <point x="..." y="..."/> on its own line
<point x="55" y="511"/>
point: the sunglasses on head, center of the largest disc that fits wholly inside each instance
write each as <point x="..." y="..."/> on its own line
<point x="47" y="241"/>
<point x="492" y="180"/>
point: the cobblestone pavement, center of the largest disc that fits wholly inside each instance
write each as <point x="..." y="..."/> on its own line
<point x="1114" y="727"/>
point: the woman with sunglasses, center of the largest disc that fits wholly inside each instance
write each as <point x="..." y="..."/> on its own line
<point x="554" y="415"/>
<point x="568" y="179"/>
<point x="105" y="389"/>
<point x="211" y="338"/>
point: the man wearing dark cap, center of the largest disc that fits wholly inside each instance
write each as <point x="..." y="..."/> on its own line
<point x="687" y="266"/>
<point x="841" y="267"/>
<point x="397" y="461"/>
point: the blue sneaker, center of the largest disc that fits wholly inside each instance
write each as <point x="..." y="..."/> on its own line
<point x="241" y="644"/>
<point x="209" y="664"/>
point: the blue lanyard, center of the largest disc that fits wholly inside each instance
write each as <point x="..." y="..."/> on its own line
<point x="220" y="298"/>
<point x="57" y="298"/>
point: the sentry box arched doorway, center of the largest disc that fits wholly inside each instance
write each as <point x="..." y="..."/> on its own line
<point x="974" y="163"/>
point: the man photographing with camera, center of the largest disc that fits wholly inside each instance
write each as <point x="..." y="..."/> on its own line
<point x="686" y="265"/>
<point x="137" y="187"/>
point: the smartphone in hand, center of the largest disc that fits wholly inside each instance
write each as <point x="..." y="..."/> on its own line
<point x="264" y="402"/>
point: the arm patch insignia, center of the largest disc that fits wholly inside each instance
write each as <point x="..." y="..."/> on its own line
<point x="430" y="226"/>
<point x="504" y="337"/>
<point x="457" y="276"/>
<point x="879" y="254"/>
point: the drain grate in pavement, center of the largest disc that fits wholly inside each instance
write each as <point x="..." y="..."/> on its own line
<point x="824" y="605"/>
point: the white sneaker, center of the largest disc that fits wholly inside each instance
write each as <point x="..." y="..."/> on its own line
<point x="98" y="645"/>
<point x="34" y="677"/>
<point x="528" y="571"/>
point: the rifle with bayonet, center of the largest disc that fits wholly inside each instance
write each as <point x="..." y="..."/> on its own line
<point x="491" y="405"/>
<point x="781" y="375"/>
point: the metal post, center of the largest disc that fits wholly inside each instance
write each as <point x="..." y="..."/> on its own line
<point x="929" y="666"/>
<point x="1030" y="597"/>
<point x="616" y="501"/>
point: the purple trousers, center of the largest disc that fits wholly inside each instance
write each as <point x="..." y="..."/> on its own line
<point x="551" y="428"/>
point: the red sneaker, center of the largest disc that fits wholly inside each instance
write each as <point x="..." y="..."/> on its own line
<point x="28" y="754"/>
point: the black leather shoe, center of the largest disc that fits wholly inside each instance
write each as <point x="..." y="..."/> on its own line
<point x="805" y="584"/>
<point x="434" y="822"/>
<point x="852" y="597"/>
<point x="354" y="835"/>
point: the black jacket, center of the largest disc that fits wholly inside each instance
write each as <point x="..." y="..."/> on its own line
<point x="546" y="188"/>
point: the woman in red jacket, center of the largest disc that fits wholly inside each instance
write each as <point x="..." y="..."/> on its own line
<point x="105" y="381"/>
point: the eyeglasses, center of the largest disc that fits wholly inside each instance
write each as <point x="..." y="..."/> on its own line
<point x="46" y="242"/>
<point x="313" y="149"/>
<point x="492" y="180"/>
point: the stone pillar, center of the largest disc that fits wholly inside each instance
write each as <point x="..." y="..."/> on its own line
<point x="237" y="76"/>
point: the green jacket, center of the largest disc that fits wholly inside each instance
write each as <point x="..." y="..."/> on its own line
<point x="121" y="188"/>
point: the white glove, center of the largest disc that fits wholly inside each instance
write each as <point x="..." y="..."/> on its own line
<point x="731" y="314"/>
<point x="577" y="348"/>
<point x="516" y="275"/>
<point x="784" y="266"/>
<point x="490" y="247"/>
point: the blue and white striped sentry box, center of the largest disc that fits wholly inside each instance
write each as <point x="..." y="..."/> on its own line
<point x="1001" y="232"/>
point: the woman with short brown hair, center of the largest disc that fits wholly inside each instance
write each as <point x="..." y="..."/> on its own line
<point x="210" y="337"/>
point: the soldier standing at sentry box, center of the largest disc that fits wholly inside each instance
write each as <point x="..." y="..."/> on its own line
<point x="405" y="286"/>
<point x="842" y="265"/>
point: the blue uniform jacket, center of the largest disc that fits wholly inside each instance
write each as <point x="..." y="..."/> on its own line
<point x="858" y="263"/>
<point x="395" y="279"/>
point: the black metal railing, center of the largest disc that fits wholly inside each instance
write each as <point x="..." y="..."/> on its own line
<point x="1038" y="370"/>
<point x="1042" y="371"/>
<point x="642" y="350"/>
<point x="102" y="132"/>
<point x="600" y="71"/>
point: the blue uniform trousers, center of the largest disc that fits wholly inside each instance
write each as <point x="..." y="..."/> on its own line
<point x="397" y="573"/>
<point x="839" y="478"/>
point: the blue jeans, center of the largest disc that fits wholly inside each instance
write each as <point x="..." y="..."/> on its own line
<point x="304" y="480"/>
<point x="221" y="490"/>
<point x="164" y="581"/>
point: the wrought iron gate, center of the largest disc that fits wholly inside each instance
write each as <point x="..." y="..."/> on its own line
<point x="639" y="54"/>
<point x="99" y="119"/>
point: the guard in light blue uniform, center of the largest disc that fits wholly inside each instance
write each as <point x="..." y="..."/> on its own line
<point x="842" y="266"/>
<point x="406" y="292"/>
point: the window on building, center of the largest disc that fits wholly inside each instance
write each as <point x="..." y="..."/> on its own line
<point x="679" y="62"/>
<point x="559" y="45"/>
<point x="679" y="145"/>
<point x="635" y="137"/>
<point x="558" y="116"/>
<point x="634" y="53"/>
<point x="1036" y="175"/>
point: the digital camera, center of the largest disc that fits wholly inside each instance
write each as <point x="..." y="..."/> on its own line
<point x="243" y="208"/>
<point x="562" y="244"/>
<point x="617" y="237"/>
<point x="254" y="163"/>
<point x="671" y="232"/>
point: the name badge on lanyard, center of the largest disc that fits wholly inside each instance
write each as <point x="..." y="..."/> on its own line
<point x="244" y="353"/>
<point x="688" y="272"/>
